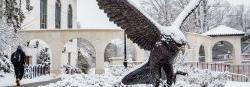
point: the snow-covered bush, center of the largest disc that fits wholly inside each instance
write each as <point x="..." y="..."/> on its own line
<point x="43" y="58"/>
<point x="67" y="69"/>
<point x="83" y="63"/>
<point x="119" y="70"/>
<point x="200" y="78"/>
<point x="197" y="77"/>
<point x="5" y="64"/>
<point x="109" y="79"/>
<point x="86" y="55"/>
<point x="114" y="74"/>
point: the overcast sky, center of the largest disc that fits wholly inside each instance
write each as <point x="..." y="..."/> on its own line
<point x="90" y="17"/>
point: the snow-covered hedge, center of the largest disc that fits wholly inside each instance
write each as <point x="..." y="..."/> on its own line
<point x="201" y="78"/>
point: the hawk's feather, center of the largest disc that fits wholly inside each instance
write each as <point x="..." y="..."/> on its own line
<point x="137" y="26"/>
<point x="138" y="76"/>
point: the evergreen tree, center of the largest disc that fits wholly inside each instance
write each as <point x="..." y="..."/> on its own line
<point x="43" y="57"/>
<point x="82" y="63"/>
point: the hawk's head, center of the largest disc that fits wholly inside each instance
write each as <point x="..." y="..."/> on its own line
<point x="173" y="34"/>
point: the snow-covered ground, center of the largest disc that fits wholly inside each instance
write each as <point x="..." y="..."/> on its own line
<point x="9" y="80"/>
<point x="237" y="84"/>
<point x="113" y="75"/>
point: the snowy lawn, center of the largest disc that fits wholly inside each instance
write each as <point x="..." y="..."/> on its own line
<point x="9" y="80"/>
<point x="237" y="84"/>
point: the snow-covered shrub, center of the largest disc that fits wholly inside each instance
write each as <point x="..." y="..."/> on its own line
<point x="109" y="79"/>
<point x="83" y="63"/>
<point x="200" y="78"/>
<point x="119" y="70"/>
<point x="112" y="77"/>
<point x="43" y="58"/>
<point x="86" y="55"/>
<point x="5" y="64"/>
<point x="197" y="77"/>
<point x="67" y="69"/>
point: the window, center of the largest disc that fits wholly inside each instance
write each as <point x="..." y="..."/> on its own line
<point x="69" y="58"/>
<point x="70" y="16"/>
<point x="43" y="14"/>
<point x="58" y="14"/>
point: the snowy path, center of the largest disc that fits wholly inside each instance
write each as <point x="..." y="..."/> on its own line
<point x="37" y="84"/>
<point x="9" y="80"/>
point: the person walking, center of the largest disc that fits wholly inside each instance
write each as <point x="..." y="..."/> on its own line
<point x="18" y="60"/>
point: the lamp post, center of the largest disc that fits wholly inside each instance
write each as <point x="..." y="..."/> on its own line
<point x="125" y="63"/>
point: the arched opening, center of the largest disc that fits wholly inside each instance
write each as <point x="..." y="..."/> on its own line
<point x="43" y="14"/>
<point x="223" y="52"/>
<point x="58" y="14"/>
<point x="202" y="54"/>
<point x="70" y="17"/>
<point x="38" y="55"/>
<point x="78" y="55"/>
<point x="114" y="52"/>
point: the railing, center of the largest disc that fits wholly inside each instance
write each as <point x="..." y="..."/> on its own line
<point x="211" y="66"/>
<point x="246" y="58"/>
<point x="238" y="77"/>
<point x="33" y="71"/>
<point x="237" y="72"/>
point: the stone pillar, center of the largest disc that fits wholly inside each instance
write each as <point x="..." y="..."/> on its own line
<point x="195" y="54"/>
<point x="56" y="45"/>
<point x="237" y="58"/>
<point x="209" y="53"/>
<point x="56" y="58"/>
<point x="100" y="48"/>
<point x="140" y="54"/>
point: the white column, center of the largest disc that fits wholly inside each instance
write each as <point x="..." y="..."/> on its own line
<point x="100" y="48"/>
<point x="237" y="58"/>
<point x="209" y="53"/>
<point x="140" y="53"/>
<point x="56" y="43"/>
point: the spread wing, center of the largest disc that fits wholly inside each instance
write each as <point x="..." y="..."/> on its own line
<point x="137" y="26"/>
<point x="138" y="76"/>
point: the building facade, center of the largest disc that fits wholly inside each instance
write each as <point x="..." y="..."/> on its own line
<point x="219" y="45"/>
<point x="50" y="14"/>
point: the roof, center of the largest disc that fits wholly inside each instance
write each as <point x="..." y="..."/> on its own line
<point x="223" y="30"/>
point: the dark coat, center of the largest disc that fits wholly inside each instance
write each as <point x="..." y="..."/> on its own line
<point x="18" y="57"/>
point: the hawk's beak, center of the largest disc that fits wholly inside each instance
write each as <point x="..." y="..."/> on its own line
<point x="182" y="49"/>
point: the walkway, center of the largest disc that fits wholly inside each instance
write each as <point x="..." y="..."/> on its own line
<point x="36" y="84"/>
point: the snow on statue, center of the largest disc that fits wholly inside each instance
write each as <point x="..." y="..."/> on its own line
<point x="164" y="42"/>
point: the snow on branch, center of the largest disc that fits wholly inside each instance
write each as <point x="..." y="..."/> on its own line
<point x="192" y="5"/>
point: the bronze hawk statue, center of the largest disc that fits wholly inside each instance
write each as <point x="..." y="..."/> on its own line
<point x="163" y="42"/>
